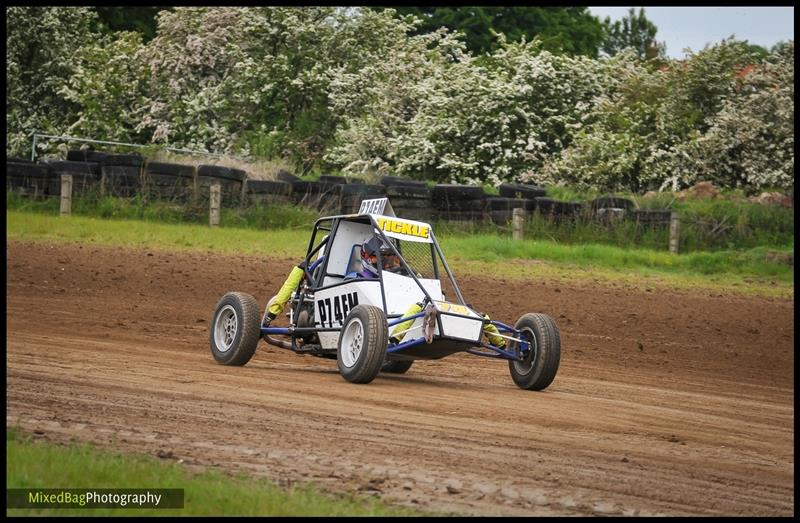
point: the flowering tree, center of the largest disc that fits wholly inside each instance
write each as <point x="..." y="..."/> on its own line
<point x="646" y="132"/>
<point x="750" y="142"/>
<point x="41" y="43"/>
<point x="433" y="111"/>
<point x="110" y="85"/>
<point x="361" y="90"/>
<point x="229" y="79"/>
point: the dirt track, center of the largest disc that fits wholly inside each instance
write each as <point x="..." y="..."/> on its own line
<point x="665" y="403"/>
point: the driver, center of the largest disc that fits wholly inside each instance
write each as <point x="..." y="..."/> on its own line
<point x="369" y="259"/>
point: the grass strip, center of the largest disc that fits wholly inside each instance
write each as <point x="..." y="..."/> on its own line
<point x="759" y="271"/>
<point x="38" y="465"/>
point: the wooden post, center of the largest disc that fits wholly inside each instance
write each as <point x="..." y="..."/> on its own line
<point x="518" y="223"/>
<point x="674" y="232"/>
<point x="216" y="197"/>
<point x="66" y="194"/>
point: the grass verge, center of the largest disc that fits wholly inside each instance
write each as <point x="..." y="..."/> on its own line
<point x="755" y="271"/>
<point x="43" y="465"/>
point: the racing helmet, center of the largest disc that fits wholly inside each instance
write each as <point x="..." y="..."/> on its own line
<point x="369" y="256"/>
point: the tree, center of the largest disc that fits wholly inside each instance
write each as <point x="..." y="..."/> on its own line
<point x="634" y="31"/>
<point x="41" y="46"/>
<point x="569" y="30"/>
<point x="139" y="19"/>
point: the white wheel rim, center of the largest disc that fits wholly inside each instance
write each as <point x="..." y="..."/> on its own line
<point x="352" y="342"/>
<point x="521" y="366"/>
<point x="225" y="328"/>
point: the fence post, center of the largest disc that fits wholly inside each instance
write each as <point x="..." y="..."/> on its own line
<point x="674" y="232"/>
<point x="66" y="194"/>
<point x="215" y="199"/>
<point x="518" y="223"/>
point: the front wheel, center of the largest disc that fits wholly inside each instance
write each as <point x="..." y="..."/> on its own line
<point x="540" y="362"/>
<point x="235" y="329"/>
<point x="362" y="344"/>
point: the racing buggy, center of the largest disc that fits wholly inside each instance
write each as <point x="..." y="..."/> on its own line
<point x="411" y="310"/>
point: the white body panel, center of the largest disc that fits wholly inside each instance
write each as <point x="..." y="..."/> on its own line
<point x="331" y="306"/>
<point x="402" y="291"/>
<point x="469" y="329"/>
<point x="348" y="235"/>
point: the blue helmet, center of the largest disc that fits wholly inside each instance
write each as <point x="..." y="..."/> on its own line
<point x="369" y="256"/>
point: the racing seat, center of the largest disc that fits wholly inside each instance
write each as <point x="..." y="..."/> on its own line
<point x="354" y="262"/>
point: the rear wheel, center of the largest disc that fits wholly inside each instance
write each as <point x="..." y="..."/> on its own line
<point x="235" y="329"/>
<point x="362" y="344"/>
<point x="540" y="362"/>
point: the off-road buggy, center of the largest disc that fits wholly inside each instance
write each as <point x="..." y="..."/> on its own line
<point x="354" y="320"/>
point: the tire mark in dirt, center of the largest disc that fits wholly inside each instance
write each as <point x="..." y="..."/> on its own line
<point x="682" y="427"/>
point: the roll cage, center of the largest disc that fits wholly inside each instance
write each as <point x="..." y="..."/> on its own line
<point x="316" y="271"/>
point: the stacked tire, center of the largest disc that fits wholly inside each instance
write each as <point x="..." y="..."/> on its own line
<point x="268" y="192"/>
<point x="31" y="179"/>
<point x="170" y="182"/>
<point x="352" y="195"/>
<point x="458" y="202"/>
<point x="86" y="176"/>
<point x="610" y="209"/>
<point x="410" y="199"/>
<point x="501" y="210"/>
<point x="318" y="195"/>
<point x="336" y="180"/>
<point x="558" y="211"/>
<point x="120" y="174"/>
<point x="650" y="218"/>
<point x="521" y="191"/>
<point x="229" y="179"/>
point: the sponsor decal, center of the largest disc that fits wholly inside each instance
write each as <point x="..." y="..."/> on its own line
<point x="419" y="230"/>
<point x="452" y="307"/>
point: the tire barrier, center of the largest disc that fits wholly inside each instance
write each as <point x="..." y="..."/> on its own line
<point x="286" y="176"/>
<point x="411" y="201"/>
<point x="127" y="175"/>
<point x="458" y="202"/>
<point x="169" y="181"/>
<point x="352" y="194"/>
<point x="85" y="175"/>
<point x="650" y="218"/>
<point x="341" y="180"/>
<point x="120" y="180"/>
<point x="319" y="195"/>
<point x="558" y="210"/>
<point x="611" y="202"/>
<point x="500" y="210"/>
<point x="266" y="192"/>
<point x="230" y="181"/>
<point x="520" y="190"/>
<point x="398" y="180"/>
<point x="31" y="180"/>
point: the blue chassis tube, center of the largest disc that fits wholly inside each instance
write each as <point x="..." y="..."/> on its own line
<point x="500" y="353"/>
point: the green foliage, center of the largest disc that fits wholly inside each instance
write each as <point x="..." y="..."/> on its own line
<point x="139" y="19"/>
<point x="473" y="251"/>
<point x="368" y="93"/>
<point x="571" y="30"/>
<point x="634" y="31"/>
<point x="41" y="44"/>
<point x="38" y="465"/>
<point x="672" y="126"/>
